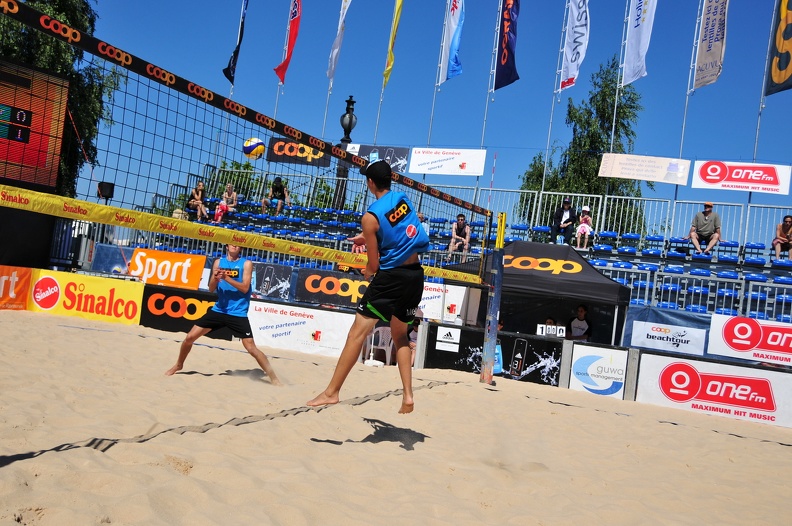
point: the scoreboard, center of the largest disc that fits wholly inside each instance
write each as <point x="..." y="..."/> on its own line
<point x="15" y="123"/>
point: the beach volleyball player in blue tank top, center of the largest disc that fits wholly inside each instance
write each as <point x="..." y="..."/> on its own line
<point x="394" y="237"/>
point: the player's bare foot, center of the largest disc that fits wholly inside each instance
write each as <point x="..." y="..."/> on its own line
<point x="323" y="399"/>
<point x="173" y="370"/>
<point x="407" y="407"/>
<point x="275" y="381"/>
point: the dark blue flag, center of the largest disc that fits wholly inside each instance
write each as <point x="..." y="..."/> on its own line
<point x="505" y="68"/>
<point x="230" y="70"/>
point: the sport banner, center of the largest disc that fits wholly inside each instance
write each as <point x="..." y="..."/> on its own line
<point x="645" y="168"/>
<point x="779" y="67"/>
<point x="447" y="161"/>
<point x="289" y="151"/>
<point x="175" y="310"/>
<point x="330" y="287"/>
<point x="744" y="393"/>
<point x="94" y="298"/>
<point x="711" y="43"/>
<point x="171" y="269"/>
<point x="301" y="329"/>
<point x="14" y="287"/>
<point x="744" y="177"/>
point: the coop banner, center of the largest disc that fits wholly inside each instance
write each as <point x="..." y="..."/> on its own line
<point x="447" y="161"/>
<point x="176" y="310"/>
<point x="743" y="393"/>
<point x="14" y="287"/>
<point x="598" y="370"/>
<point x="330" y="287"/>
<point x="302" y="329"/>
<point x="645" y="168"/>
<point x="288" y="151"/>
<point x="94" y="298"/>
<point x="668" y="337"/>
<point x="744" y="177"/>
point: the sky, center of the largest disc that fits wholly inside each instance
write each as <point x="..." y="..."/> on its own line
<point x="195" y="39"/>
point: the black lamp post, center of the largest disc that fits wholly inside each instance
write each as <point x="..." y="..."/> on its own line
<point x="348" y="122"/>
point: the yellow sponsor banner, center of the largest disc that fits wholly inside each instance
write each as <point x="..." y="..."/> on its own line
<point x="66" y="207"/>
<point x="14" y="287"/>
<point x="103" y="299"/>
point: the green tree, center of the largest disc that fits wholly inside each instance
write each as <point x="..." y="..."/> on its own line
<point x="89" y="84"/>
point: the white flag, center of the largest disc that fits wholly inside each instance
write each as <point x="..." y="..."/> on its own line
<point x="577" y="37"/>
<point x="639" y="31"/>
<point x="336" y="49"/>
<point x="450" y="65"/>
<point x="711" y="43"/>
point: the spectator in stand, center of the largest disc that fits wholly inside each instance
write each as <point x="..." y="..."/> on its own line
<point x="705" y="229"/>
<point x="783" y="238"/>
<point x="584" y="228"/>
<point x="196" y="201"/>
<point x="230" y="197"/>
<point x="579" y="328"/>
<point x="424" y="222"/>
<point x="278" y="194"/>
<point x="564" y="220"/>
<point x="460" y="238"/>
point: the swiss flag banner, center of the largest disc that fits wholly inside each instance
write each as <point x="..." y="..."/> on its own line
<point x="745" y="177"/>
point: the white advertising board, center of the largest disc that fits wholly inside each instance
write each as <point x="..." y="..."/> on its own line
<point x="300" y="329"/>
<point x="598" y="370"/>
<point x="727" y="390"/>
<point x="672" y="338"/>
<point x="447" y="161"/>
<point x="750" y="339"/>
<point x="746" y="177"/>
<point x="644" y="168"/>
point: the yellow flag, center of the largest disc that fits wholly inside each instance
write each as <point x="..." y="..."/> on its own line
<point x="394" y="27"/>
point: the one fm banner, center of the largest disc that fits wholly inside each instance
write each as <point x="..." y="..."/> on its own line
<point x="598" y="370"/>
<point x="102" y="299"/>
<point x="301" y="329"/>
<point x="14" y="287"/>
<point x="727" y="390"/>
<point x="745" y="177"/>
<point x="443" y="161"/>
<point x="750" y="339"/>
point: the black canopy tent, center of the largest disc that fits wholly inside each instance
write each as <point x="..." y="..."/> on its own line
<point x="554" y="275"/>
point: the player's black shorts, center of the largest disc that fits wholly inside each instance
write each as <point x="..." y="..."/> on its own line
<point x="239" y="325"/>
<point x="394" y="292"/>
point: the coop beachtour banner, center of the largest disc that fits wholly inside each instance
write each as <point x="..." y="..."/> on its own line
<point x="447" y="161"/>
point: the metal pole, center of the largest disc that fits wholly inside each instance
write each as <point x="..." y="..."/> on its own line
<point x="556" y="90"/>
<point x="690" y="86"/>
<point x="621" y="68"/>
<point x="491" y="85"/>
<point x="493" y="305"/>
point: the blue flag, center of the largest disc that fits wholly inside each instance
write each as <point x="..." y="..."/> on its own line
<point x="505" y="68"/>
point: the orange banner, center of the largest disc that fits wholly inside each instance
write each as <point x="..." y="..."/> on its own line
<point x="157" y="267"/>
<point x="14" y="287"/>
<point x="111" y="300"/>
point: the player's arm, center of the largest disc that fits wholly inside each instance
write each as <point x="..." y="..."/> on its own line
<point x="370" y="227"/>
<point x="286" y="196"/>
<point x="216" y="275"/>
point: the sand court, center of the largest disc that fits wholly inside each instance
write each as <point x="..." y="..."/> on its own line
<point x="92" y="432"/>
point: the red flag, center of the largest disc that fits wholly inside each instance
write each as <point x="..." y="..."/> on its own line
<point x="295" y="13"/>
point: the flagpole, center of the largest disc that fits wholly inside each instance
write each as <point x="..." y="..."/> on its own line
<point x="621" y="67"/>
<point x="327" y="105"/>
<point x="285" y="48"/>
<point x="438" y="81"/>
<point x="556" y="91"/>
<point x="491" y="84"/>
<point x="691" y="89"/>
<point x="762" y="98"/>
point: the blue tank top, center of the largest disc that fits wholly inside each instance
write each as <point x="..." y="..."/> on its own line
<point x="400" y="232"/>
<point x="229" y="300"/>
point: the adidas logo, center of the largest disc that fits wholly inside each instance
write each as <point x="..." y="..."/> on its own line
<point x="448" y="336"/>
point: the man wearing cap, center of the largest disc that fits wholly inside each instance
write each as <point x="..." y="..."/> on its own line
<point x="394" y="238"/>
<point x="277" y="196"/>
<point x="705" y="229"/>
<point x="564" y="220"/>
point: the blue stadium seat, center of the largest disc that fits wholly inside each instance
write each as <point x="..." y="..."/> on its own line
<point x="782" y="280"/>
<point x="608" y="235"/>
<point x="651" y="267"/>
<point x="626" y="251"/>
<point x="784" y="318"/>
<point x="782" y="264"/>
<point x="727" y="312"/>
<point x="757" y="315"/>
<point x="598" y="262"/>
<point x="602" y="249"/>
<point x="622" y="264"/>
<point x="668" y="305"/>
<point x="728" y="274"/>
<point x="651" y="253"/>
<point x="753" y="276"/>
<point x="700" y="272"/>
<point x="701" y="258"/>
<point x="701" y="309"/>
<point x="639" y="302"/>
<point x="631" y="239"/>
<point x="674" y="269"/>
